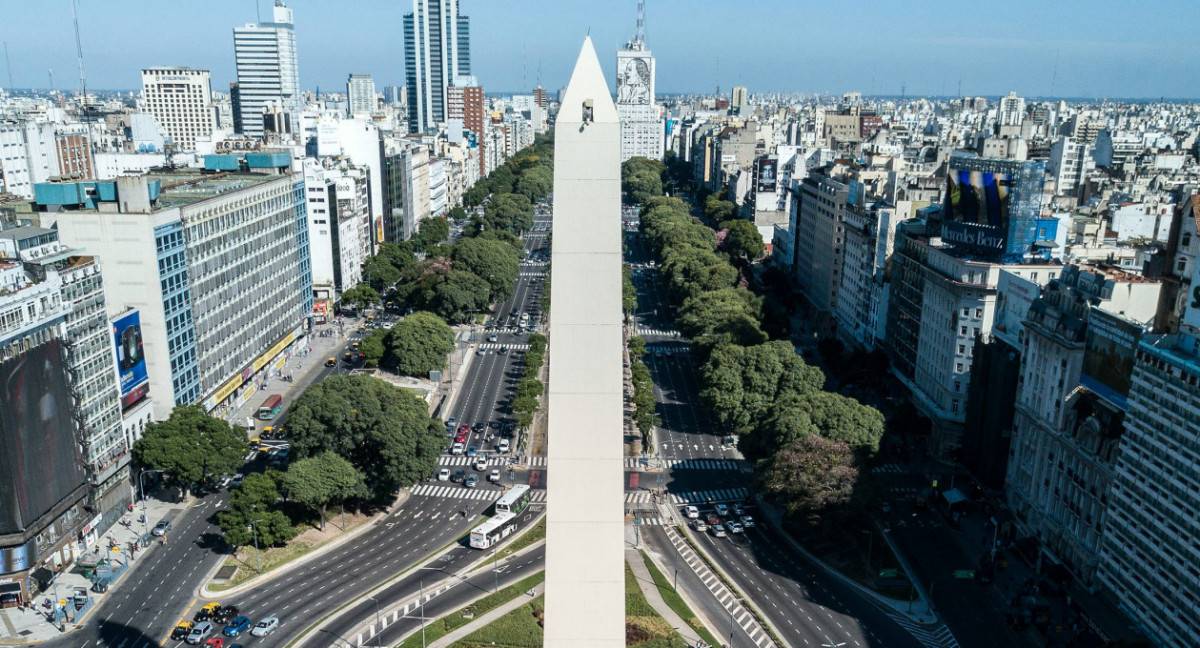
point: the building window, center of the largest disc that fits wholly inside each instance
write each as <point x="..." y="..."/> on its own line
<point x="978" y="312"/>
<point x="958" y="367"/>
<point x="954" y="406"/>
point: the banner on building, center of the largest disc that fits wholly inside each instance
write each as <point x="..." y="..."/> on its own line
<point x="131" y="359"/>
<point x="768" y="178"/>
<point x="1109" y="356"/>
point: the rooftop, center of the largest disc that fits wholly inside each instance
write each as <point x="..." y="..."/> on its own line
<point x="187" y="186"/>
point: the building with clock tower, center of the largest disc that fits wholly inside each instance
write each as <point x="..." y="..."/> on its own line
<point x="642" y="126"/>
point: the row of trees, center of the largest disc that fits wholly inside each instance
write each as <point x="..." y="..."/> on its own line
<point x="525" y="402"/>
<point x="644" y="414"/>
<point x="807" y="442"/>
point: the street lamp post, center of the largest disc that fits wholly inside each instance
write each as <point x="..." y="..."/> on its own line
<point x="422" y="614"/>
<point x="254" y="530"/>
<point x="378" y="624"/>
<point x="142" y="490"/>
<point x="495" y="572"/>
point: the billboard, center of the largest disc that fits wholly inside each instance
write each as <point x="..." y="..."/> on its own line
<point x="1108" y="358"/>
<point x="131" y="359"/>
<point x="976" y="209"/>
<point x="41" y="463"/>
<point x="768" y="176"/>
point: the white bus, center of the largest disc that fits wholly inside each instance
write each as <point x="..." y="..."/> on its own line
<point x="494" y="530"/>
<point x="514" y="501"/>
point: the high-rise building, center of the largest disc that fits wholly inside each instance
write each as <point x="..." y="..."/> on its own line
<point x="642" y="127"/>
<point x="406" y="195"/>
<point x="33" y="152"/>
<point x="339" y="225"/>
<point x="217" y="265"/>
<point x="267" y="70"/>
<point x="360" y="95"/>
<point x="540" y="97"/>
<point x="437" y="49"/>
<point x="740" y="97"/>
<point x="466" y="103"/>
<point x="180" y="99"/>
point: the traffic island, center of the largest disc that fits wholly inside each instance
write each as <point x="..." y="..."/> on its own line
<point x="476" y="616"/>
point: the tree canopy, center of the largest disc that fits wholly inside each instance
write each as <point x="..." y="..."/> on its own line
<point x="191" y="446"/>
<point x="810" y="474"/>
<point x="535" y="182"/>
<point x="642" y="179"/>
<point x="382" y="430"/>
<point x="491" y="260"/>
<point x="508" y="212"/>
<point x="419" y="343"/>
<point x="379" y="273"/>
<point x="741" y="384"/>
<point x="254" y="511"/>
<point x="320" y="480"/>
<point x="448" y="292"/>
<point x="742" y="240"/>
<point x="359" y="297"/>
<point x="432" y="231"/>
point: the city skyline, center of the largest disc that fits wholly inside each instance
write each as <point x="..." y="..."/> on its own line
<point x="1066" y="50"/>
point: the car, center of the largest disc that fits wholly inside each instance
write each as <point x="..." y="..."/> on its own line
<point x="721" y="510"/>
<point x="450" y="422"/>
<point x="237" y="480"/>
<point x="479" y="426"/>
<point x="747" y="521"/>
<point x="718" y="530"/>
<point x="265" y="627"/>
<point x="208" y="611"/>
<point x="691" y="512"/>
<point x="734" y="527"/>
<point x="502" y="351"/>
<point x="481" y="352"/>
<point x="464" y="428"/>
<point x="472" y="451"/>
<point x="700" y="525"/>
<point x="332" y="362"/>
<point x="493" y="338"/>
<point x="739" y="510"/>
<point x="237" y="626"/>
<point x="457" y="448"/>
<point x="459" y="476"/>
<point x="472" y="481"/>
<point x="494" y="476"/>
<point x="226" y="613"/>
<point x="480" y="464"/>
<point x="181" y="631"/>
<point x="199" y="633"/>
<point x="712" y="519"/>
<point x="460" y="438"/>
<point x="161" y="528"/>
<point x="215" y="642"/>
<point x="502" y="446"/>
<point x="443" y="474"/>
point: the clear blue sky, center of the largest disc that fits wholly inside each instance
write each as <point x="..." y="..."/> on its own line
<point x="1108" y="48"/>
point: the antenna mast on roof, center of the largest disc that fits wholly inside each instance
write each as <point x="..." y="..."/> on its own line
<point x="8" y="64"/>
<point x="640" y="35"/>
<point x="79" y="52"/>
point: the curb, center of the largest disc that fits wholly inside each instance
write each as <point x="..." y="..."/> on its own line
<point x="459" y="575"/>
<point x="696" y="609"/>
<point x="204" y="593"/>
<point x="870" y="594"/>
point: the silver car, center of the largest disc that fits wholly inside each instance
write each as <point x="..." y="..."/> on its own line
<point x="199" y="633"/>
<point x="265" y="627"/>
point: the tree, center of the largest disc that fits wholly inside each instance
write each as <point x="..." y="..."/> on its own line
<point x="718" y="210"/>
<point x="457" y="214"/>
<point x="374" y="347"/>
<point x="359" y="297"/>
<point x="742" y="240"/>
<point x="432" y="231"/>
<point x="190" y="446"/>
<point x="535" y="183"/>
<point x="400" y="255"/>
<point x="642" y="185"/>
<point x="827" y="414"/>
<point x="379" y="273"/>
<point x="811" y="474"/>
<point x="255" y="503"/>
<point x="448" y="292"/>
<point x="382" y="430"/>
<point x="511" y="239"/>
<point x="537" y="344"/>
<point x="419" y="344"/>
<point x="493" y="261"/>
<point x="729" y="314"/>
<point x="322" y="479"/>
<point x="629" y="299"/>
<point x="477" y="194"/>
<point x="509" y="212"/>
<point x="637" y="346"/>
<point x="741" y="384"/>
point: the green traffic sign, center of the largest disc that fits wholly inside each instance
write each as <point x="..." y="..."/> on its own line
<point x="964" y="574"/>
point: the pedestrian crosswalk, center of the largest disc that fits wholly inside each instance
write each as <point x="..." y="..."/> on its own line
<point x="492" y="462"/>
<point x="887" y="468"/>
<point x="903" y="491"/>
<point x="643" y="331"/>
<point x="456" y="491"/>
<point x="938" y="636"/>
<point x="530" y="274"/>
<point x="497" y="345"/>
<point x="651" y="519"/>
<point x="693" y="497"/>
<point x="684" y="464"/>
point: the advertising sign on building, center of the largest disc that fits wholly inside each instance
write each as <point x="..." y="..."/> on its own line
<point x="976" y="209"/>
<point x="1191" y="312"/>
<point x="131" y="360"/>
<point x="1014" y="295"/>
<point x="1108" y="358"/>
<point x="768" y="177"/>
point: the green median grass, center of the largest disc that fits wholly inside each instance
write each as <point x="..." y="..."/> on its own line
<point x="538" y="532"/>
<point x="440" y="627"/>
<point x="521" y="628"/>
<point x="676" y="602"/>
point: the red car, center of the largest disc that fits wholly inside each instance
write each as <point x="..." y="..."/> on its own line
<point x="464" y="428"/>
<point x="461" y="438"/>
<point x="215" y="642"/>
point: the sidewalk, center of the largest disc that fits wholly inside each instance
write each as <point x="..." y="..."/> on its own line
<point x="484" y="620"/>
<point x="645" y="581"/>
<point x="19" y="626"/>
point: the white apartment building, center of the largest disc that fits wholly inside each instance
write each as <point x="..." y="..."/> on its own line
<point x="439" y="196"/>
<point x="643" y="131"/>
<point x="180" y="99"/>
<point x="338" y="225"/>
<point x="818" y="221"/>
<point x="360" y="95"/>
<point x="1070" y="161"/>
<point x="870" y="235"/>
<point x="268" y="71"/>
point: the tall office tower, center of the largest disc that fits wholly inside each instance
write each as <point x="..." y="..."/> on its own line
<point x="394" y="95"/>
<point x="740" y="97"/>
<point x="642" y="129"/>
<point x="539" y="97"/>
<point x="360" y="94"/>
<point x="267" y="70"/>
<point x="436" y="50"/>
<point x="180" y="99"/>
<point x="466" y="103"/>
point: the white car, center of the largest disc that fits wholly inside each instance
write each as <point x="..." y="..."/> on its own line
<point x="734" y="527"/>
<point x="718" y="530"/>
<point x="444" y="474"/>
<point x="265" y="627"/>
<point x="502" y="446"/>
<point x="457" y="449"/>
<point x="721" y="510"/>
<point x="494" y="476"/>
<point x="747" y="521"/>
<point x="480" y="463"/>
<point x="700" y="525"/>
<point x="691" y="512"/>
